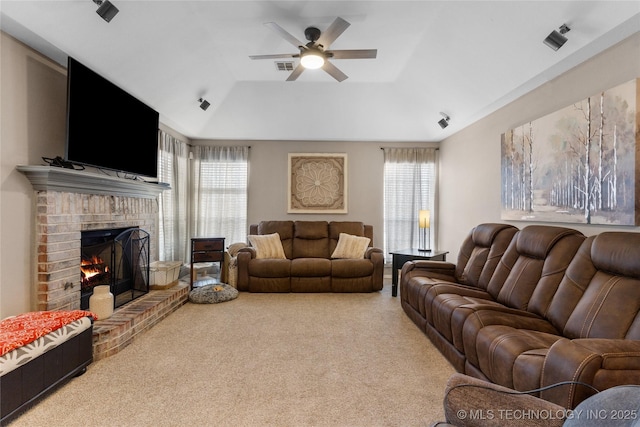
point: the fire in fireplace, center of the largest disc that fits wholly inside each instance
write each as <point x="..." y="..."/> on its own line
<point x="115" y="257"/>
<point x="94" y="271"/>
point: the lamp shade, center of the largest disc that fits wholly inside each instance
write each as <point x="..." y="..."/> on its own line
<point x="424" y="219"/>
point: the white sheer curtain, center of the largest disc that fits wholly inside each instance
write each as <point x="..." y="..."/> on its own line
<point x="173" y="159"/>
<point x="410" y="182"/>
<point x="219" y="181"/>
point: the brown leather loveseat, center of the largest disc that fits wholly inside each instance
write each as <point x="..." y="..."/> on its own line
<point x="559" y="307"/>
<point x="309" y="262"/>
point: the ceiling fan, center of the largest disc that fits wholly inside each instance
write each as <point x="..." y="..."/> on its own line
<point x="315" y="53"/>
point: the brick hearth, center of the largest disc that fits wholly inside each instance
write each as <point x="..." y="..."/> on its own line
<point x="127" y="322"/>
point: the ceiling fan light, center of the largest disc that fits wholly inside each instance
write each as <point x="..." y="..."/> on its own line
<point x="312" y="60"/>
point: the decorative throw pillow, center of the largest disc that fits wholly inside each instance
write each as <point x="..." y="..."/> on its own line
<point x="267" y="246"/>
<point x="349" y="246"/>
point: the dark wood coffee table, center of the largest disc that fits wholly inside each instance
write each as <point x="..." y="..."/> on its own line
<point x="405" y="255"/>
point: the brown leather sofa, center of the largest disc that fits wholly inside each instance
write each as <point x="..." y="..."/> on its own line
<point x="558" y="307"/>
<point x="308" y="267"/>
<point x="478" y="257"/>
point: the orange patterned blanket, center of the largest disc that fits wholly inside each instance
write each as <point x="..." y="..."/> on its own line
<point x="25" y="328"/>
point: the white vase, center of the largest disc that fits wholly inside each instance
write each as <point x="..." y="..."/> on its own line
<point x="101" y="302"/>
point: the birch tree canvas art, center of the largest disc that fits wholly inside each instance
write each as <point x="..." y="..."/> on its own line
<point x="578" y="164"/>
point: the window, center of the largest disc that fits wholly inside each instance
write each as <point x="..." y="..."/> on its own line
<point x="173" y="158"/>
<point x="409" y="186"/>
<point x="208" y="195"/>
<point x="219" y="192"/>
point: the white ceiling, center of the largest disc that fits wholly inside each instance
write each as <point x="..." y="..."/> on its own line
<point x="464" y="58"/>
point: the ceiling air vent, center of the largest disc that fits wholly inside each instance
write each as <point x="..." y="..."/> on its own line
<point x="284" y="66"/>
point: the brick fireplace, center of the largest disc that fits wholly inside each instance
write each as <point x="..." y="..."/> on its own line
<point x="69" y="202"/>
<point x="61" y="218"/>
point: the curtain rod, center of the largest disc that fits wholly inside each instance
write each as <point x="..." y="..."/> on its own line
<point x="433" y="148"/>
<point x="197" y="145"/>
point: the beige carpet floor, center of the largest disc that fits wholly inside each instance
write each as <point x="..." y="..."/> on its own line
<point x="263" y="360"/>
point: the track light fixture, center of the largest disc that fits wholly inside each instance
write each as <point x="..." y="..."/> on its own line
<point x="444" y="121"/>
<point x="204" y="104"/>
<point x="556" y="39"/>
<point x="106" y="9"/>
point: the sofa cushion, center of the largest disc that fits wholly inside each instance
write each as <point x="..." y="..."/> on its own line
<point x="310" y="267"/>
<point x="481" y="251"/>
<point x="351" y="247"/>
<point x="575" y="281"/>
<point x="532" y="267"/>
<point x="310" y="239"/>
<point x="351" y="268"/>
<point x="617" y="253"/>
<point x="268" y="246"/>
<point x="270" y="267"/>
<point x="311" y="230"/>
<point x="420" y="292"/>
<point x="500" y="347"/>
<point x="609" y="306"/>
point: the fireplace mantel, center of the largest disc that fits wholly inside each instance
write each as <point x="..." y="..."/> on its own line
<point x="49" y="178"/>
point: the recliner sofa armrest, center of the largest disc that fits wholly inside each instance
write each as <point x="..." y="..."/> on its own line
<point x="472" y="402"/>
<point x="377" y="258"/>
<point x="370" y="251"/>
<point x="599" y="362"/>
<point x="247" y="250"/>
<point x="242" y="261"/>
<point x="441" y="270"/>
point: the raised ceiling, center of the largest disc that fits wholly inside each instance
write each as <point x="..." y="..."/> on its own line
<point x="464" y="58"/>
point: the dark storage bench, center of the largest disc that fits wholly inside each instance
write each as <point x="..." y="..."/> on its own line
<point x="30" y="371"/>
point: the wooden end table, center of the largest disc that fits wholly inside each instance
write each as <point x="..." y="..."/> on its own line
<point x="402" y="256"/>
<point x="206" y="249"/>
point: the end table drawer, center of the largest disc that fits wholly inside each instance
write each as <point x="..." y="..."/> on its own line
<point x="208" y="256"/>
<point x="209" y="245"/>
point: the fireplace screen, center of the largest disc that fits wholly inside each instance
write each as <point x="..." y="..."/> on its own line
<point x="118" y="258"/>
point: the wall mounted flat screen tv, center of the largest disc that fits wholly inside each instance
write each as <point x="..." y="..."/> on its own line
<point x="108" y="127"/>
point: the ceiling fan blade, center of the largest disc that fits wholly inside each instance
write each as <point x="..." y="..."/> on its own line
<point x="295" y="73"/>
<point x="353" y="54"/>
<point x="275" y="56"/>
<point x="284" y="34"/>
<point x="334" y="30"/>
<point x="334" y="71"/>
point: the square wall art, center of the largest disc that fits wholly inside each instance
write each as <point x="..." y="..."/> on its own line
<point x="577" y="165"/>
<point x="317" y="183"/>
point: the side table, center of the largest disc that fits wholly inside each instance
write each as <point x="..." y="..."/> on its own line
<point x="206" y="249"/>
<point x="402" y="256"/>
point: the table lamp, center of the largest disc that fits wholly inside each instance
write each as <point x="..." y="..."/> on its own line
<point x="423" y="224"/>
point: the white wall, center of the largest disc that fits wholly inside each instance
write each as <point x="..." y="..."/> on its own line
<point x="32" y="122"/>
<point x="470" y="159"/>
